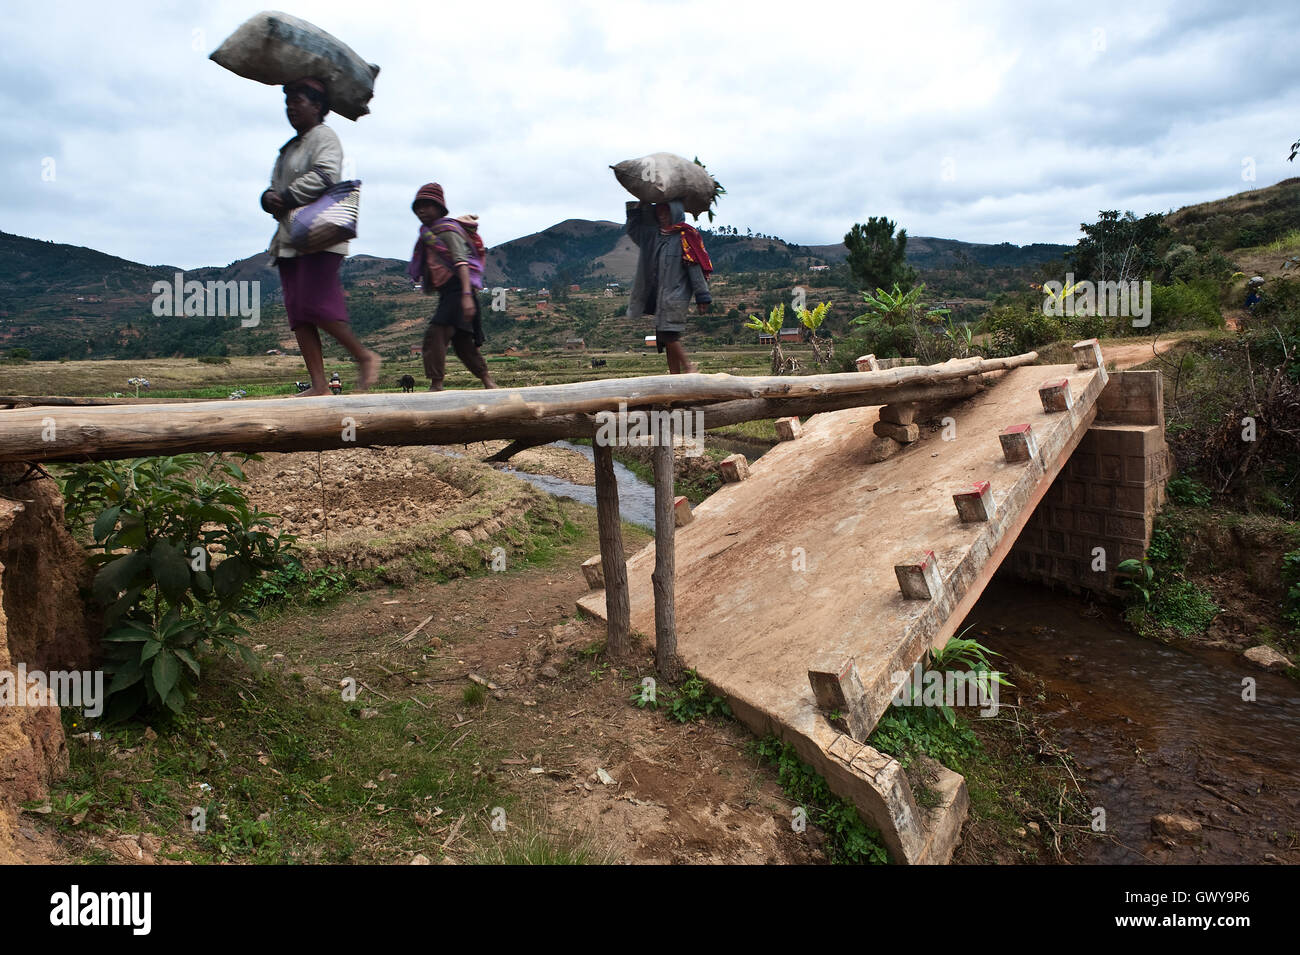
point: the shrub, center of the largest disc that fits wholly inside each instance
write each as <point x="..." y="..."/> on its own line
<point x="158" y="525"/>
<point x="1184" y="490"/>
<point x="1015" y="330"/>
<point x="1186" y="305"/>
<point x="1182" y="606"/>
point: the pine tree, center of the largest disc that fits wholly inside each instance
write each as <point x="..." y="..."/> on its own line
<point x="877" y="258"/>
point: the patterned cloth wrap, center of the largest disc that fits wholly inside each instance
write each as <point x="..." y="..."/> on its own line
<point x="693" y="251"/>
<point x="442" y="267"/>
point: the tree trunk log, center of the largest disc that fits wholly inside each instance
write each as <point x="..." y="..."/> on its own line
<point x="665" y="570"/>
<point x="618" y="607"/>
<point x="299" y="424"/>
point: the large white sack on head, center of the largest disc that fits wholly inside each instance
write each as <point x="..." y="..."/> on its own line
<point x="275" y="48"/>
<point x="661" y="177"/>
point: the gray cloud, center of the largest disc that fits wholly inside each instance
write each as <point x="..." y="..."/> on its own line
<point x="1010" y="122"/>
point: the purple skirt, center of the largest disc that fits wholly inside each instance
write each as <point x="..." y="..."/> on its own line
<point x="313" y="294"/>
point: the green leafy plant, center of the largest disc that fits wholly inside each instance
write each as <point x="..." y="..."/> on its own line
<point x="1015" y="330"/>
<point x="849" y="840"/>
<point x="1139" y="577"/>
<point x="968" y="662"/>
<point x="823" y="349"/>
<point x="1185" y="490"/>
<point x="158" y="527"/>
<point x="960" y="336"/>
<point x="897" y="322"/>
<point x="717" y="191"/>
<point x="771" y="326"/>
<point x="694" y="700"/>
<point x="1183" y="606"/>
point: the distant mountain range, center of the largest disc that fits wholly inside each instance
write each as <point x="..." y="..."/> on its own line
<point x="64" y="301"/>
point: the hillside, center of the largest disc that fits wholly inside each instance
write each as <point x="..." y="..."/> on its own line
<point x="1251" y="218"/>
<point x="63" y="301"/>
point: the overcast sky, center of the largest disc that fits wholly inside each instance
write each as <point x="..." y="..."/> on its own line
<point x="982" y="121"/>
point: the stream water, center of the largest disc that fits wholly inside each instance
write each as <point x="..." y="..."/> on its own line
<point x="636" y="498"/>
<point x="1157" y="729"/>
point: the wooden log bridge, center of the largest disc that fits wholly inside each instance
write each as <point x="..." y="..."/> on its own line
<point x="98" y="432"/>
<point x="50" y="430"/>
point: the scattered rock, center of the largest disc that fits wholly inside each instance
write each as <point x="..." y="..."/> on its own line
<point x="1174" y="826"/>
<point x="1034" y="828"/>
<point x="369" y="713"/>
<point x="549" y="672"/>
<point x="1266" y="657"/>
<point x="882" y="448"/>
<point x="604" y="777"/>
<point x="420" y="859"/>
<point x="463" y="538"/>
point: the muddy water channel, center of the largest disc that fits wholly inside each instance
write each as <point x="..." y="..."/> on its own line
<point x="636" y="498"/>
<point x="1156" y="730"/>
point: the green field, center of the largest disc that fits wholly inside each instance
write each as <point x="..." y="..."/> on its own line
<point x="261" y="376"/>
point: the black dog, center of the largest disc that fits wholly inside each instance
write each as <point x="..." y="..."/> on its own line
<point x="407" y="383"/>
<point x="598" y="363"/>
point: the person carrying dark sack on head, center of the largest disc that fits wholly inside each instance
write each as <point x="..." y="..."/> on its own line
<point x="449" y="260"/>
<point x="672" y="268"/>
<point x="313" y="294"/>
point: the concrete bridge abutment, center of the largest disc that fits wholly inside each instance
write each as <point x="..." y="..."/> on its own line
<point x="1100" y="509"/>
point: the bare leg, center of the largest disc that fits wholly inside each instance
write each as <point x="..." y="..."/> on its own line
<point x="678" y="363"/>
<point x="309" y="345"/>
<point x="366" y="359"/>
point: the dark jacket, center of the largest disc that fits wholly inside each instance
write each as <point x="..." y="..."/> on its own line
<point x="661" y="272"/>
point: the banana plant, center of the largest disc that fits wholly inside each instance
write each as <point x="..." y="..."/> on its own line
<point x="772" y="326"/>
<point x="823" y="350"/>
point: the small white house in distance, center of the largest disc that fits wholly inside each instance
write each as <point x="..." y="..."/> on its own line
<point x="818" y="268"/>
<point x="651" y="341"/>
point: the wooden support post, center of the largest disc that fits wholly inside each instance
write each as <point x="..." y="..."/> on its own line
<point x="618" y="612"/>
<point x="665" y="560"/>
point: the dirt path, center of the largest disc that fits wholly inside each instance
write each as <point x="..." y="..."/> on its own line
<point x="679" y="793"/>
<point x="1139" y="353"/>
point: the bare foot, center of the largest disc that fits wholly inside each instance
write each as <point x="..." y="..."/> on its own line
<point x="690" y="369"/>
<point x="489" y="383"/>
<point x="312" y="393"/>
<point x="435" y="387"/>
<point x="369" y="371"/>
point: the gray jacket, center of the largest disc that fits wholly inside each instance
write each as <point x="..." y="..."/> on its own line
<point x="298" y="178"/>
<point x="661" y="271"/>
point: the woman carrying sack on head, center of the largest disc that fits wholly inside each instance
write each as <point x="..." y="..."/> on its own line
<point x="672" y="268"/>
<point x="313" y="295"/>
<point x="448" y="258"/>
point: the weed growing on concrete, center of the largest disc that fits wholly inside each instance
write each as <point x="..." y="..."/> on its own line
<point x="849" y="840"/>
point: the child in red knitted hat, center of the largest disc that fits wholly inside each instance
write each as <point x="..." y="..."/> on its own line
<point x="449" y="260"/>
